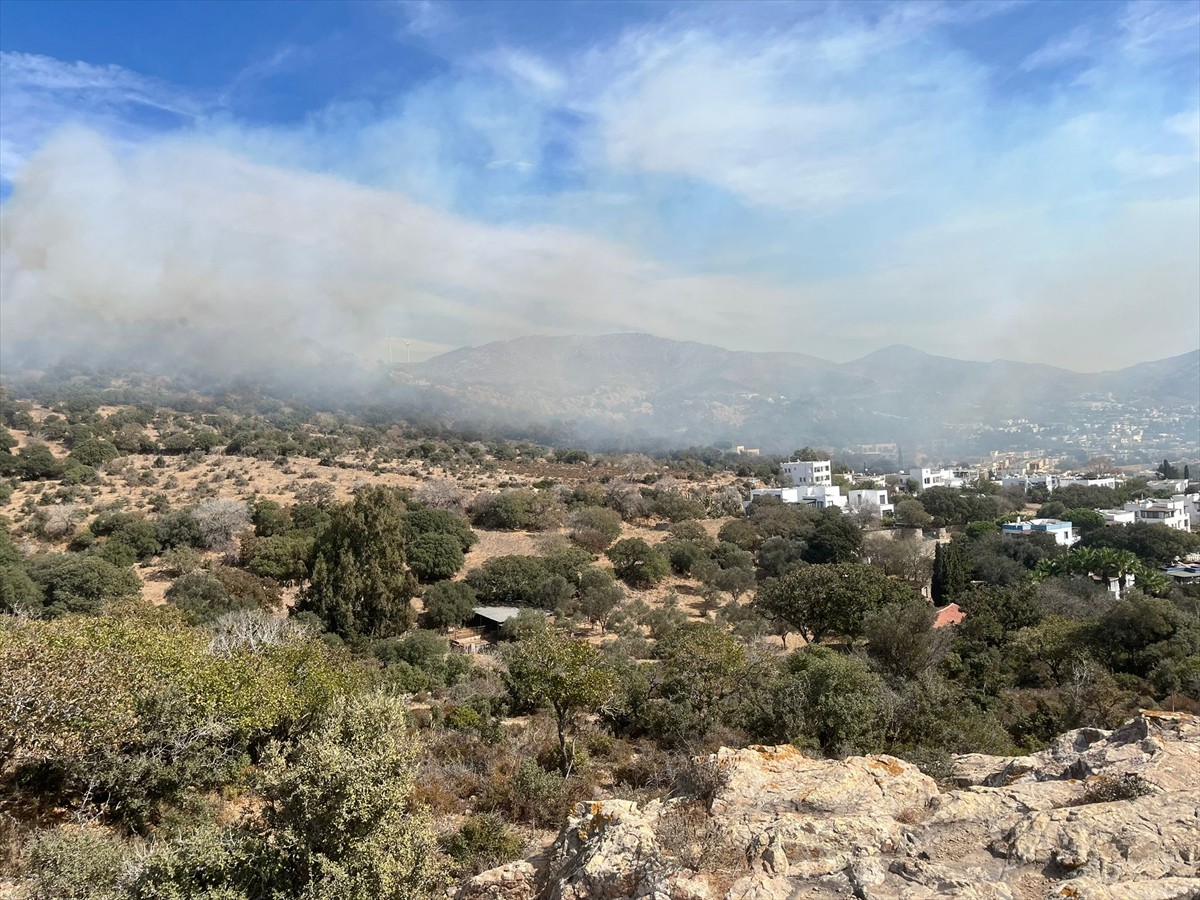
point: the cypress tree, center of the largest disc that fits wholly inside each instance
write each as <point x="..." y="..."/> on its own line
<point x="951" y="572"/>
<point x="361" y="585"/>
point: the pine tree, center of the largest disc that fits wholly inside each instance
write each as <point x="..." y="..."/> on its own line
<point x="361" y="585"/>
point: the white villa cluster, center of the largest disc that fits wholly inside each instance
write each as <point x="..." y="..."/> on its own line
<point x="1050" y="481"/>
<point x="1181" y="512"/>
<point x="812" y="485"/>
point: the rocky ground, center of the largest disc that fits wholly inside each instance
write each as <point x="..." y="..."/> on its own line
<point x="769" y="822"/>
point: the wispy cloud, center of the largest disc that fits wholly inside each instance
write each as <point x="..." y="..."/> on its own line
<point x="39" y="94"/>
<point x="731" y="174"/>
<point x="1079" y="43"/>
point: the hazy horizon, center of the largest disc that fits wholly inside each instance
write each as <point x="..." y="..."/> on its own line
<point x="224" y="184"/>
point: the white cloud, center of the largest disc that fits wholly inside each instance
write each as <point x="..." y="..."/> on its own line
<point x="1079" y="43"/>
<point x="813" y="119"/>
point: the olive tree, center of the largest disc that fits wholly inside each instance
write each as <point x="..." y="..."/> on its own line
<point x="547" y="668"/>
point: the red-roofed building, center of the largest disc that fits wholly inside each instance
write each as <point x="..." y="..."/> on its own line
<point x="949" y="615"/>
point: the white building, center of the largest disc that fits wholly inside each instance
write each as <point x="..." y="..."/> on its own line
<point x="1118" y="516"/>
<point x="1173" y="513"/>
<point x="1191" y="502"/>
<point x="806" y="473"/>
<point x="1047" y="480"/>
<point x="1174" y="485"/>
<point x="859" y="498"/>
<point x="1063" y="532"/>
<point x="927" y="478"/>
<point x="818" y="495"/>
<point x="1109" y="481"/>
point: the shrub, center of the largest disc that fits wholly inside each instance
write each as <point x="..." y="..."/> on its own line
<point x="594" y="528"/>
<point x="1115" y="788"/>
<point x="448" y="604"/>
<point x="483" y="842"/>
<point x="72" y="863"/>
<point x="637" y="563"/>
<point x="435" y="556"/>
<point x="219" y="520"/>
<point x="516" y="510"/>
<point x="531" y="794"/>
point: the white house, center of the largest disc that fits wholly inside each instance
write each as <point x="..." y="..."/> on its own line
<point x="1109" y="481"/>
<point x="818" y="495"/>
<point x="1174" y="485"/>
<point x="1118" y="516"/>
<point x="806" y="473"/>
<point x="1191" y="502"/>
<point x="1173" y="513"/>
<point x="858" y="498"/>
<point x="1048" y="480"/>
<point x="927" y="478"/>
<point x="1064" y="534"/>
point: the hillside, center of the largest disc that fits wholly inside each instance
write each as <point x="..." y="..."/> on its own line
<point x="635" y="388"/>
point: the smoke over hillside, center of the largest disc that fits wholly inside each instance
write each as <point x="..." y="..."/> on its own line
<point x="184" y="254"/>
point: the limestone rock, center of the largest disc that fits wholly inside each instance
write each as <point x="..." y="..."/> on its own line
<point x="1156" y="836"/>
<point x="784" y="825"/>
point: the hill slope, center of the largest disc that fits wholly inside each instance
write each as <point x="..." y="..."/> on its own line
<point x="636" y="388"/>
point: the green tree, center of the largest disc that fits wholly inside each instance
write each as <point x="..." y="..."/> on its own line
<point x="78" y="583"/>
<point x="637" y="563"/>
<point x="93" y="452"/>
<point x="902" y="639"/>
<point x="599" y="596"/>
<point x="361" y="585"/>
<point x="912" y="514"/>
<point x="509" y="581"/>
<point x="547" y="668"/>
<point x="595" y="527"/>
<point x="830" y="701"/>
<point x="836" y="539"/>
<point x="435" y="556"/>
<point x="822" y="600"/>
<point x="35" y="462"/>
<point x="270" y="518"/>
<point x="702" y="669"/>
<point x="421" y="520"/>
<point x="448" y="604"/>
<point x="951" y="574"/>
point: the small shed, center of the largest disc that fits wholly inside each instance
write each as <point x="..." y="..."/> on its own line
<point x="490" y="618"/>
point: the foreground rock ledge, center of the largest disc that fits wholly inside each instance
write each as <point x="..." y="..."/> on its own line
<point x="782" y="825"/>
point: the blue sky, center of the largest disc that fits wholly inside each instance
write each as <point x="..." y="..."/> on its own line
<point x="982" y="180"/>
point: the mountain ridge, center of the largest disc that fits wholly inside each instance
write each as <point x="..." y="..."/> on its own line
<point x="634" y="389"/>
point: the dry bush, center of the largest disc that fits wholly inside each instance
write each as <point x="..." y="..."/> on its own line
<point x="1114" y="788"/>
<point x="56" y="522"/>
<point x="220" y="520"/>
<point x="439" y="493"/>
<point x="691" y="838"/>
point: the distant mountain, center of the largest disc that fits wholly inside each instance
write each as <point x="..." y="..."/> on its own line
<point x="636" y="389"/>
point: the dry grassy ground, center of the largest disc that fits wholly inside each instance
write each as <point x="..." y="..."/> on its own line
<point x="132" y="482"/>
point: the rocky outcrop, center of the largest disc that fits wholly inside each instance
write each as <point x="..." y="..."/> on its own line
<point x="1097" y="815"/>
